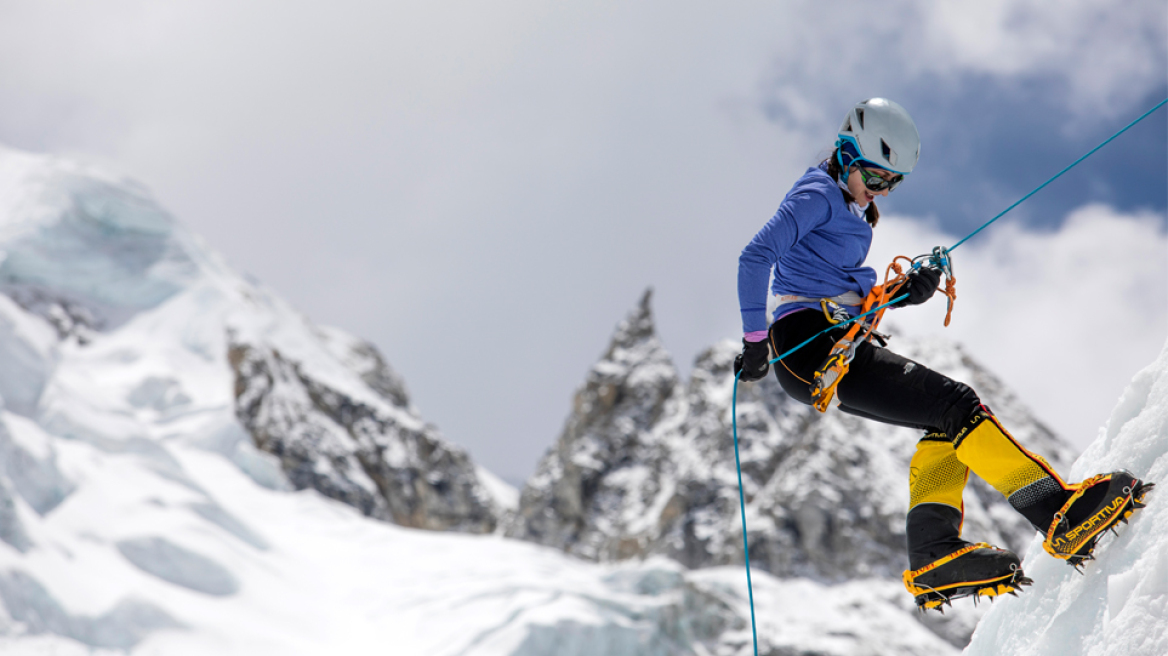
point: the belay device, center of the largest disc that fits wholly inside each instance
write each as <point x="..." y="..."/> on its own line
<point x="829" y="374"/>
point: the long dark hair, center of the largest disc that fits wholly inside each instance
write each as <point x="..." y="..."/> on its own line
<point x="872" y="214"/>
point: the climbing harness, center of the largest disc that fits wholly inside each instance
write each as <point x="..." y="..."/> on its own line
<point x="839" y="359"/>
<point x="828" y="376"/>
<point x="833" y="369"/>
<point x="835" y="308"/>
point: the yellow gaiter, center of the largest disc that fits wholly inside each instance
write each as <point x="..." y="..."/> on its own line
<point x="936" y="512"/>
<point x="936" y="475"/>
<point x="1028" y="481"/>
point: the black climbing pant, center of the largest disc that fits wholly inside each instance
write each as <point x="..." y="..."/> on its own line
<point x="880" y="384"/>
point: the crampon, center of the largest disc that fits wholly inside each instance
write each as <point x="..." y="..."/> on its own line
<point x="977" y="570"/>
<point x="1098" y="505"/>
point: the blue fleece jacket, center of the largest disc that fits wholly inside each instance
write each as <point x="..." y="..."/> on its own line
<point x="815" y="246"/>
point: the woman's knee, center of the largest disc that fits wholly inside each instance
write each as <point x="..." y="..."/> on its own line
<point x="963" y="402"/>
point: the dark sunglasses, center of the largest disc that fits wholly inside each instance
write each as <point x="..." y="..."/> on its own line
<point x="875" y="182"/>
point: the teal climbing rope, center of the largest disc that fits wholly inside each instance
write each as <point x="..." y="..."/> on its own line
<point x="742" y="506"/>
<point x="738" y="459"/>
<point x="1057" y="175"/>
<point x="734" y="396"/>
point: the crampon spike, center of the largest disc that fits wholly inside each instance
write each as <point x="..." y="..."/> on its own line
<point x="1139" y="492"/>
<point x="937" y="600"/>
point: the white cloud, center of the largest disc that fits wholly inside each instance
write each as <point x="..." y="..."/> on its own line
<point x="1109" y="56"/>
<point x="1066" y="318"/>
<point x="432" y="173"/>
<point x="1104" y="60"/>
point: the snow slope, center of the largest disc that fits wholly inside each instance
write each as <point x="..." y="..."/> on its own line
<point x="305" y="575"/>
<point x="1119" y="605"/>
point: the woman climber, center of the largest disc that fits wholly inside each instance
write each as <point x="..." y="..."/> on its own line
<point x="816" y="245"/>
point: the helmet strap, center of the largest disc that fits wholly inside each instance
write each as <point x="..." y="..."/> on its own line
<point x="845" y="169"/>
<point x="839" y="157"/>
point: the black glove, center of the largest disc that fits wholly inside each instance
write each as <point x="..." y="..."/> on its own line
<point x="753" y="361"/>
<point x="922" y="283"/>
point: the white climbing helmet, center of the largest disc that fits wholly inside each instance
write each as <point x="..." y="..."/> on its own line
<point x="883" y="133"/>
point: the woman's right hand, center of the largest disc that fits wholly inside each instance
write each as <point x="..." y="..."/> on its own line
<point x="922" y="283"/>
<point x="754" y="360"/>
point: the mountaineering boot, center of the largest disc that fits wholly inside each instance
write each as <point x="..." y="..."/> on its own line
<point x="942" y="566"/>
<point x="1070" y="517"/>
<point x="1097" y="504"/>
<point x="977" y="570"/>
<point x="1027" y="481"/>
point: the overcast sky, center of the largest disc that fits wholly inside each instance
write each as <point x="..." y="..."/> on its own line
<point x="485" y="189"/>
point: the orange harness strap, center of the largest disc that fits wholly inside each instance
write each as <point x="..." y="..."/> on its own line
<point x="827" y="378"/>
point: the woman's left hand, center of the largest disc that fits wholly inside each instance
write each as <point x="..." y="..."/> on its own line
<point x="753" y="362"/>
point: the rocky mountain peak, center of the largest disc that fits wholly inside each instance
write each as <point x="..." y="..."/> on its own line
<point x="598" y="465"/>
<point x="645" y="465"/>
<point x="627" y="388"/>
<point x="352" y="436"/>
<point x="636" y="328"/>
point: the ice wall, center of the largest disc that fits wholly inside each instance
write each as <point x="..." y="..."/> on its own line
<point x="1119" y="604"/>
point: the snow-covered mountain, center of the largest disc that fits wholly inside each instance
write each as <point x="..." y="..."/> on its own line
<point x="371" y="451"/>
<point x="191" y="467"/>
<point x="645" y="465"/>
<point x="122" y="326"/>
<point x="125" y="345"/>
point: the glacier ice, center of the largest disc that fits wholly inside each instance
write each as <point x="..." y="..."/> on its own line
<point x="178" y="565"/>
<point x="1119" y="604"/>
